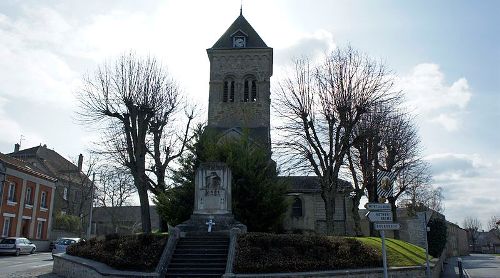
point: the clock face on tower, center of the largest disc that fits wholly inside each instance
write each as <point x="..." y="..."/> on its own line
<point x="239" y="41"/>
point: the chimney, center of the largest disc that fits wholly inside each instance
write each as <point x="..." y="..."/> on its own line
<point x="16" y="147"/>
<point x="80" y="162"/>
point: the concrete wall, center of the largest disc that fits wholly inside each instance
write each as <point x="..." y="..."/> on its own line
<point x="75" y="267"/>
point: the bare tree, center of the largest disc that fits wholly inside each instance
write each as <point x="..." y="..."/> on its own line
<point x="472" y="225"/>
<point x="320" y="107"/>
<point x="362" y="158"/>
<point x="114" y="187"/>
<point x="125" y="100"/>
<point x="494" y="223"/>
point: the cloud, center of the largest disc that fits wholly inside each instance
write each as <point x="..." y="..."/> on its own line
<point x="12" y="130"/>
<point x="312" y="45"/>
<point x="469" y="182"/>
<point x="32" y="69"/>
<point x="433" y="99"/>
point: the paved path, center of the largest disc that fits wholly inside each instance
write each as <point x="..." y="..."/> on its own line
<point x="36" y="265"/>
<point x="482" y="265"/>
<point x="476" y="266"/>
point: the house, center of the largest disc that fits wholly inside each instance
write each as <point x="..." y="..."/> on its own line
<point x="26" y="200"/>
<point x="73" y="190"/>
<point x="488" y="242"/>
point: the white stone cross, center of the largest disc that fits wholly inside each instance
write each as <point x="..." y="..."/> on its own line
<point x="210" y="223"/>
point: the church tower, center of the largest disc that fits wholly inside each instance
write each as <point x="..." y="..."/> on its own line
<point x="241" y="65"/>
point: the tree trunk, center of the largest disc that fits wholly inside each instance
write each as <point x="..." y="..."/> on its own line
<point x="356" y="199"/>
<point x="394" y="211"/>
<point x="145" y="216"/>
<point x="329" y="211"/>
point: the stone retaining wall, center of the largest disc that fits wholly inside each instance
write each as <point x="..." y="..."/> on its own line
<point x="394" y="272"/>
<point x="76" y="267"/>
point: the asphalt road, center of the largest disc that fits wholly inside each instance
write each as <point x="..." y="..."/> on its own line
<point x="482" y="265"/>
<point x="36" y="265"/>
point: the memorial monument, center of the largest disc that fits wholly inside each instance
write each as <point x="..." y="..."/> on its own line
<point x="212" y="202"/>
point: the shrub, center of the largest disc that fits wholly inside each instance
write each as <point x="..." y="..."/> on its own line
<point x="70" y="223"/>
<point x="436" y="237"/>
<point x="261" y="252"/>
<point x="126" y="252"/>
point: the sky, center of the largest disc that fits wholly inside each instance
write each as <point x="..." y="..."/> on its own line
<point x="445" y="56"/>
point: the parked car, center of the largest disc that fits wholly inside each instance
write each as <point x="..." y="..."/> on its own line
<point x="61" y="244"/>
<point x="16" y="246"/>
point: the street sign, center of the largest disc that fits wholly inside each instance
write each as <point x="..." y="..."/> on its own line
<point x="386" y="226"/>
<point x="377" y="206"/>
<point x="384" y="183"/>
<point x="379" y="216"/>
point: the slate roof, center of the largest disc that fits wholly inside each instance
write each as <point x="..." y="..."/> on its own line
<point x="310" y="184"/>
<point x="25" y="167"/>
<point x="51" y="163"/>
<point x="240" y="24"/>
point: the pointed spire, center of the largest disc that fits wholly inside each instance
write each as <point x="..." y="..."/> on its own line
<point x="241" y="8"/>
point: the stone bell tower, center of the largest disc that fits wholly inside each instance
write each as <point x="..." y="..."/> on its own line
<point x="241" y="65"/>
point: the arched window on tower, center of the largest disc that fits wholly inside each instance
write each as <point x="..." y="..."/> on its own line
<point x="297" y="207"/>
<point x="228" y="91"/>
<point x="250" y="90"/>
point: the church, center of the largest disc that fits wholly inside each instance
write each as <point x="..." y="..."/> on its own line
<point x="241" y="66"/>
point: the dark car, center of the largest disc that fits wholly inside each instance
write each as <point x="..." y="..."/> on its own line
<point x="16" y="246"/>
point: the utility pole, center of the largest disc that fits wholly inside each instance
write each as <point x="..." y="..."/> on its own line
<point x="89" y="229"/>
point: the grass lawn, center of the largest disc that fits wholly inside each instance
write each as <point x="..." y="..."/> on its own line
<point x="399" y="253"/>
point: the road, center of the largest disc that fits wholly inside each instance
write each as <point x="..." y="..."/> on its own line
<point x="482" y="265"/>
<point x="36" y="265"/>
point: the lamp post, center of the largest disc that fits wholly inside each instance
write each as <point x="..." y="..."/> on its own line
<point x="89" y="229"/>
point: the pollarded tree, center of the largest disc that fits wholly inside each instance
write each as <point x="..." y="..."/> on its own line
<point x="320" y="107"/>
<point x="133" y="102"/>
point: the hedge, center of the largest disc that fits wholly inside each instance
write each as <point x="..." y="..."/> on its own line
<point x="139" y="252"/>
<point x="261" y="253"/>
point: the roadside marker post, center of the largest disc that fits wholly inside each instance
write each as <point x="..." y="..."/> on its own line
<point x="381" y="216"/>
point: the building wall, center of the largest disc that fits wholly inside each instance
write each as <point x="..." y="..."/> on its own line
<point x="313" y="219"/>
<point x="23" y="215"/>
<point x="238" y="65"/>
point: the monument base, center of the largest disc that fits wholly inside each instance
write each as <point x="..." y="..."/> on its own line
<point x="197" y="224"/>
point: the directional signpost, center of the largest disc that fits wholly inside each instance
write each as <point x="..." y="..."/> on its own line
<point x="381" y="215"/>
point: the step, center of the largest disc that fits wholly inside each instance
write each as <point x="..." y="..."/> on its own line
<point x="197" y="264"/>
<point x="206" y="246"/>
<point x="205" y="240"/>
<point x="199" y="260"/>
<point x="210" y="251"/>
<point x="193" y="275"/>
<point x="199" y="256"/>
<point x="193" y="270"/>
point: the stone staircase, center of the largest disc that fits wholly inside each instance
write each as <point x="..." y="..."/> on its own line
<point x="199" y="255"/>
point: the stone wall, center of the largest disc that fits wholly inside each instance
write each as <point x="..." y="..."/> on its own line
<point x="75" y="267"/>
<point x="394" y="272"/>
<point x="238" y="66"/>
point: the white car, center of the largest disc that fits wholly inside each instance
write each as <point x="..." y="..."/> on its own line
<point x="61" y="244"/>
<point x="16" y="246"/>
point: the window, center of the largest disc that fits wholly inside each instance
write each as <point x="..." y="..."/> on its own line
<point x="228" y="93"/>
<point x="65" y="193"/>
<point x="43" y="202"/>
<point x="12" y="192"/>
<point x="27" y="199"/>
<point x="6" y="227"/>
<point x="250" y="90"/>
<point x="39" y="229"/>
<point x="297" y="207"/>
